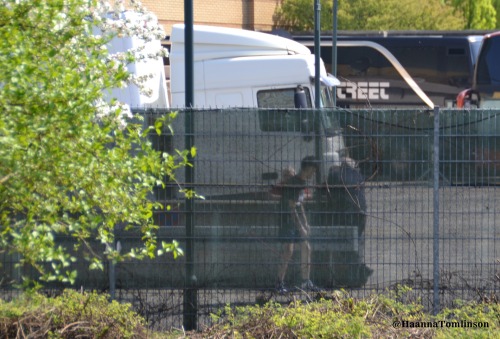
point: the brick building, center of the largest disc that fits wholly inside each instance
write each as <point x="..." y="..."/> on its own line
<point x="248" y="14"/>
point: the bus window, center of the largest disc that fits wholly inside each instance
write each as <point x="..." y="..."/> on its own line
<point x="488" y="67"/>
<point x="364" y="61"/>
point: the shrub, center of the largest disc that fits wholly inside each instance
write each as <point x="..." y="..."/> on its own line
<point x="339" y="315"/>
<point x="333" y="316"/>
<point x="480" y="319"/>
<point x="70" y="315"/>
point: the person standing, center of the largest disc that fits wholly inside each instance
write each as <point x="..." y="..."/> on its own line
<point x="293" y="225"/>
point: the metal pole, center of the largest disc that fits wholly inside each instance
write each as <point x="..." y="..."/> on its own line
<point x="317" y="56"/>
<point x="334" y="47"/>
<point x="436" y="211"/>
<point x="112" y="278"/>
<point x="112" y="270"/>
<point x="190" y="293"/>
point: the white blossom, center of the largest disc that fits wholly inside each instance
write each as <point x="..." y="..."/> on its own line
<point x="116" y="111"/>
<point x="60" y="21"/>
<point x="106" y="16"/>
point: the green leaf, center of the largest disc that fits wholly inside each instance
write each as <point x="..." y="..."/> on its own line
<point x="69" y="168"/>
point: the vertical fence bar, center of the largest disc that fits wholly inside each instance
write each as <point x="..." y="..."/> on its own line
<point x="334" y="47"/>
<point x="435" y="161"/>
<point x="317" y="52"/>
<point x="190" y="293"/>
<point x="112" y="278"/>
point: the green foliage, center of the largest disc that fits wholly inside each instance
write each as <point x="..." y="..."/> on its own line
<point x="335" y="316"/>
<point x="399" y="15"/>
<point x="477" y="14"/>
<point x="70" y="315"/>
<point x="69" y="167"/>
<point x="339" y="315"/>
<point x="496" y="4"/>
<point x="316" y="320"/>
<point x="470" y="314"/>
<point x="298" y="15"/>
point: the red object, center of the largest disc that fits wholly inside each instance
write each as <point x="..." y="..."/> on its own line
<point x="462" y="97"/>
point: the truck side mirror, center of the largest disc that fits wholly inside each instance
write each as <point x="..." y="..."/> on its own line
<point x="300" y="99"/>
<point x="301" y="102"/>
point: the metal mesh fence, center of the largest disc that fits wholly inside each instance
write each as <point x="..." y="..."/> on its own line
<point x="371" y="204"/>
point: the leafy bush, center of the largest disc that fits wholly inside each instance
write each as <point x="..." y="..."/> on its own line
<point x="341" y="316"/>
<point x="471" y="315"/>
<point x="74" y="164"/>
<point x="383" y="15"/>
<point x="70" y="315"/>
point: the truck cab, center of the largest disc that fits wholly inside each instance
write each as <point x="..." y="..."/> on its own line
<point x="240" y="68"/>
<point x="270" y="77"/>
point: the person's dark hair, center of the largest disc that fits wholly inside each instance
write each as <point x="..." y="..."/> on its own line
<point x="309" y="161"/>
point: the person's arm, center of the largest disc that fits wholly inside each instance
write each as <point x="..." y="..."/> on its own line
<point x="304" y="224"/>
<point x="300" y="222"/>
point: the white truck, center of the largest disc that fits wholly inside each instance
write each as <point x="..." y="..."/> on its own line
<point x="231" y="67"/>
<point x="244" y="69"/>
<point x="267" y="82"/>
<point x="240" y="68"/>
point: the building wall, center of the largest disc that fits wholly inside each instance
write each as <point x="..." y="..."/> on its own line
<point x="264" y="14"/>
<point x="248" y="14"/>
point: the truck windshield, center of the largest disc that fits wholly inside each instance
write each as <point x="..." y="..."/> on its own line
<point x="327" y="96"/>
<point x="330" y="122"/>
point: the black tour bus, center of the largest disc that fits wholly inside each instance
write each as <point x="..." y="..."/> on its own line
<point x="400" y="69"/>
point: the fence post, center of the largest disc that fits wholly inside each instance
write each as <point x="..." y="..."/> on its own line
<point x="334" y="46"/>
<point x="111" y="275"/>
<point x="435" y="162"/>
<point x="190" y="292"/>
<point x="190" y="307"/>
<point x="317" y="49"/>
<point x="112" y="267"/>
